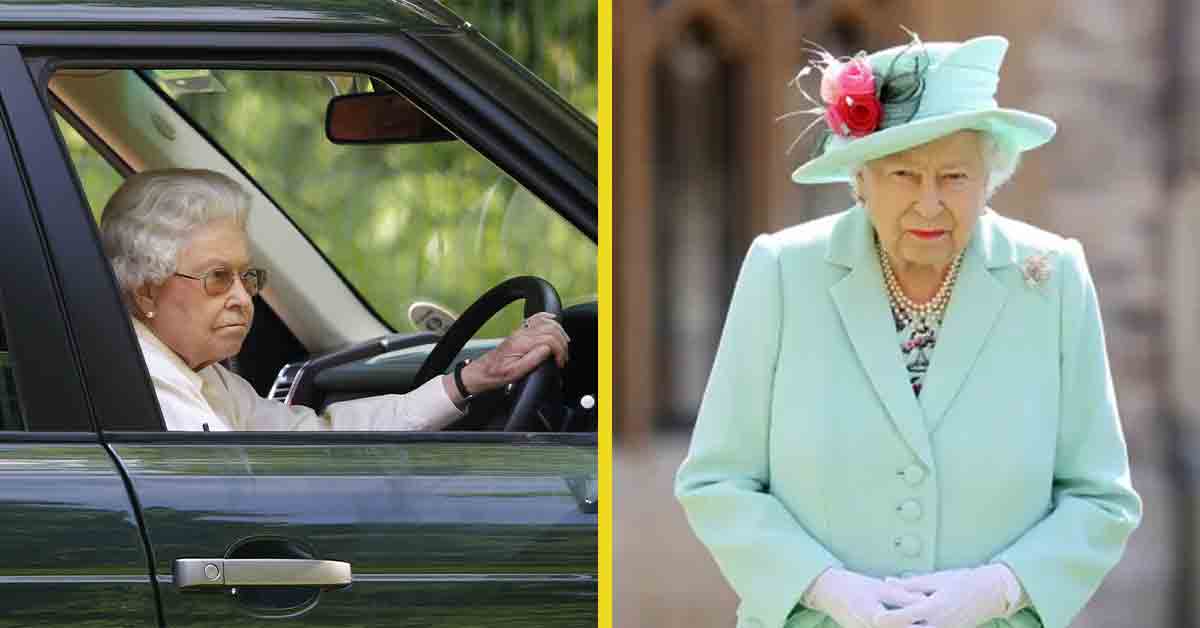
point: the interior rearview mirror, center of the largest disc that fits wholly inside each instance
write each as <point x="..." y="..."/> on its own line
<point x="380" y="118"/>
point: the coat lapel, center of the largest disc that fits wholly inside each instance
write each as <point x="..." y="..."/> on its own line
<point x="861" y="302"/>
<point x="975" y="305"/>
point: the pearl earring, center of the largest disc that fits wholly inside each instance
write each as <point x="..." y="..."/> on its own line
<point x="149" y="314"/>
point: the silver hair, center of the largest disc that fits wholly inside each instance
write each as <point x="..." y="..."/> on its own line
<point x="150" y="218"/>
<point x="1000" y="158"/>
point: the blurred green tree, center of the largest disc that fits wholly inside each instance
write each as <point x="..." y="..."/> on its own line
<point x="556" y="39"/>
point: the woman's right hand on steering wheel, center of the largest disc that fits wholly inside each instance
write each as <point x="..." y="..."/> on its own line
<point x="539" y="337"/>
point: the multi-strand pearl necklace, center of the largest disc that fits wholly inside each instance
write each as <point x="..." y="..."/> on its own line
<point x="928" y="313"/>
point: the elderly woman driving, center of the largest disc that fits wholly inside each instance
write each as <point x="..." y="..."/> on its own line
<point x="910" y="420"/>
<point x="178" y="245"/>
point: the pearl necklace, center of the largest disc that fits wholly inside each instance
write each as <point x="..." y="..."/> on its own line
<point x="905" y="309"/>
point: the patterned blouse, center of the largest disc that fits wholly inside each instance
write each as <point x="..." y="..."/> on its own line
<point x="917" y="340"/>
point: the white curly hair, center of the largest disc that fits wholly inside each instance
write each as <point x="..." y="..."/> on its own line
<point x="150" y="217"/>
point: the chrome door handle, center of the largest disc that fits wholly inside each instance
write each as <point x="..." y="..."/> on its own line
<point x="193" y="574"/>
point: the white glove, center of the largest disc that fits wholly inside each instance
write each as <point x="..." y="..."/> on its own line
<point x="961" y="598"/>
<point x="853" y="600"/>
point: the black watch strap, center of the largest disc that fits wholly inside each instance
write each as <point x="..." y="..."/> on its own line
<point x="458" y="382"/>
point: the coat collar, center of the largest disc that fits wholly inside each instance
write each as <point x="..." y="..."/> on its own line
<point x="975" y="305"/>
<point x="161" y="360"/>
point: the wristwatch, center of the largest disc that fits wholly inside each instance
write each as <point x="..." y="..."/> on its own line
<point x="462" y="388"/>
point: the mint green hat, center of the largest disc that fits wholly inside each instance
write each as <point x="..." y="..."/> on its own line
<point x="959" y="93"/>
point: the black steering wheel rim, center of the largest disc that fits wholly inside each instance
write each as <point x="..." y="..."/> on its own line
<point x="536" y="387"/>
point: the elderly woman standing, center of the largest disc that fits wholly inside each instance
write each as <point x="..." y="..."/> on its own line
<point x="910" y="420"/>
<point x="177" y="242"/>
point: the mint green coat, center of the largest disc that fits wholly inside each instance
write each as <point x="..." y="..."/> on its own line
<point x="812" y="451"/>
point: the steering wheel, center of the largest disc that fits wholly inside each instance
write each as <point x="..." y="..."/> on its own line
<point x="541" y="387"/>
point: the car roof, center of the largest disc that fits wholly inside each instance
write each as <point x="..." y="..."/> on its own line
<point x="367" y="16"/>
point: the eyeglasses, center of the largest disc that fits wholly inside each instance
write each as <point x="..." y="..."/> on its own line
<point x="218" y="281"/>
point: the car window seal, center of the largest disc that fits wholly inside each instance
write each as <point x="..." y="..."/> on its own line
<point x="104" y="150"/>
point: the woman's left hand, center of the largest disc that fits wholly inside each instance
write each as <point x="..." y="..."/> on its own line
<point x="538" y="338"/>
<point x="961" y="598"/>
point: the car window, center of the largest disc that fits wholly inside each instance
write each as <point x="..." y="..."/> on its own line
<point x="408" y="225"/>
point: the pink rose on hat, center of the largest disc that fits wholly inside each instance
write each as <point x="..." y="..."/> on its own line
<point x="848" y="90"/>
<point x="849" y="78"/>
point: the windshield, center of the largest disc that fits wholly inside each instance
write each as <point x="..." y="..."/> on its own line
<point x="410" y="226"/>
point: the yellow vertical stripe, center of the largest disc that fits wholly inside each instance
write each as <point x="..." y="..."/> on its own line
<point x="604" y="269"/>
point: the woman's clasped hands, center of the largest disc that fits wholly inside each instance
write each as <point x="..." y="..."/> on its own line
<point x="959" y="598"/>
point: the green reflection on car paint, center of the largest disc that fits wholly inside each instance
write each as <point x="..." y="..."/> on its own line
<point x="69" y="525"/>
<point x="444" y="459"/>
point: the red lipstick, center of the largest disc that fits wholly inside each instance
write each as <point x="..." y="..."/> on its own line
<point x="930" y="234"/>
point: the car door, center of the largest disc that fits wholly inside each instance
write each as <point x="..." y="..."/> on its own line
<point x="434" y="528"/>
<point x="72" y="547"/>
<point x="439" y="530"/>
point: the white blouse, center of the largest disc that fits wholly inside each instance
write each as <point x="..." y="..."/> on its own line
<point x="217" y="399"/>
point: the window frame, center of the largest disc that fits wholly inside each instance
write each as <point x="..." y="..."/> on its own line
<point x="48" y="369"/>
<point x="412" y="68"/>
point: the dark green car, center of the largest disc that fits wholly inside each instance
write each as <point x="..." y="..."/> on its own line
<point x="415" y="193"/>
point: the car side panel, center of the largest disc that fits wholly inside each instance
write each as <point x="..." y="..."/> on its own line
<point x="72" y="555"/>
<point x="437" y="533"/>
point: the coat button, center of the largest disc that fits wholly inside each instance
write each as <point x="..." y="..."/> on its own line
<point x="908" y="545"/>
<point x="910" y="510"/>
<point x="913" y="474"/>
